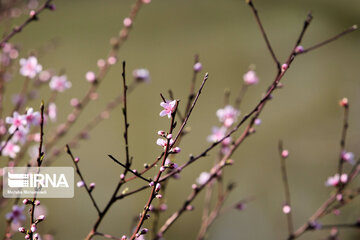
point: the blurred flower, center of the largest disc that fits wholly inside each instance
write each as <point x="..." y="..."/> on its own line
<point x="218" y="134"/>
<point x="227" y="115"/>
<point x="203" y="178"/>
<point x="349" y="157"/>
<point x="32" y="117"/>
<point x="334" y="180"/>
<point x="29" y="67"/>
<point x="52" y="111"/>
<point x="16" y="121"/>
<point x="197" y="67"/>
<point x="250" y="78"/>
<point x="169" y="108"/>
<point x="16" y="214"/>
<point x="141" y="75"/>
<point x="20" y="135"/>
<point x="59" y="83"/>
<point x="163" y="143"/>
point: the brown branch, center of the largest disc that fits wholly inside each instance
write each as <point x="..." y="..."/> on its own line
<point x="88" y="190"/>
<point x="286" y="188"/>
<point x="255" y="11"/>
<point x="33" y="17"/>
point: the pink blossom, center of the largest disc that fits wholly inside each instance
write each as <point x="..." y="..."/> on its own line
<point x="10" y="149"/>
<point x="203" y="178"/>
<point x="334" y="180"/>
<point x="17" y="214"/>
<point x="218" y="134"/>
<point x="169" y="108"/>
<point x="16" y="121"/>
<point x="59" y="83"/>
<point x="29" y="67"/>
<point x="141" y="75"/>
<point x="52" y="111"/>
<point x="227" y="115"/>
<point x="250" y="78"/>
<point x="349" y="157"/>
<point x="32" y="118"/>
<point x="163" y="143"/>
<point x="20" y="135"/>
<point x="45" y="76"/>
<point x="344" y="102"/>
<point x="284" y="67"/>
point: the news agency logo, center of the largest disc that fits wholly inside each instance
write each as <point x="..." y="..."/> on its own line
<point x="45" y="182"/>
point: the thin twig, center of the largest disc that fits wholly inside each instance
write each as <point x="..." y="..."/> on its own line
<point x="286" y="188"/>
<point x="33" y="17"/>
<point x="88" y="190"/>
<point x="255" y="11"/>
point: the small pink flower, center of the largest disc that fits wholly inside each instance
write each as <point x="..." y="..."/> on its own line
<point x="203" y="178"/>
<point x="16" y="121"/>
<point x="227" y="115"/>
<point x="349" y="157"/>
<point x="10" y="149"/>
<point x="334" y="180"/>
<point x="45" y="76"/>
<point x="59" y="83"/>
<point x="163" y="143"/>
<point x="250" y="78"/>
<point x="29" y="67"/>
<point x="146" y="1"/>
<point x="20" y="135"/>
<point x="169" y="108"/>
<point x="141" y="75"/>
<point x="32" y="118"/>
<point x="218" y="134"/>
<point x="17" y="214"/>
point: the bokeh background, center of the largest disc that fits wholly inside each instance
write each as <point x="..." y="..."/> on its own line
<point x="167" y="34"/>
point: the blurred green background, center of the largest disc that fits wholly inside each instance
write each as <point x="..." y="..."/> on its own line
<point x="167" y="34"/>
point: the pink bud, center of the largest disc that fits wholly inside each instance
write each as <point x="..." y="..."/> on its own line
<point x="33" y="228"/>
<point x="189" y="207"/>
<point x="32" y="13"/>
<point x="112" y="60"/>
<point x="21" y="229"/>
<point x="158" y="196"/>
<point x="285" y="153"/>
<point x="80" y="184"/>
<point x="286" y="209"/>
<point x="124" y="237"/>
<point x="122" y="176"/>
<point x="344" y="102"/>
<point x="41" y="218"/>
<point x="169" y="136"/>
<point x="90" y="77"/>
<point x="162" y="168"/>
<point x="92" y="185"/>
<point x="27" y="236"/>
<point x="151" y="184"/>
<point x="176" y="150"/>
<point x="299" y="49"/>
<point x="161" y="133"/>
<point x="146" y="1"/>
<point x="36" y="236"/>
<point x="197" y="67"/>
<point x="127" y="22"/>
<point x="26" y="201"/>
<point x="37" y="202"/>
<point x="284" y="67"/>
<point x="157" y="188"/>
<point x="76" y="159"/>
